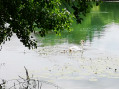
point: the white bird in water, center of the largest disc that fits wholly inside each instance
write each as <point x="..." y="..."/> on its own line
<point x="77" y="48"/>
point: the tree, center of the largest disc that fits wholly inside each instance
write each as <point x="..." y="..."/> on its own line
<point x="22" y="16"/>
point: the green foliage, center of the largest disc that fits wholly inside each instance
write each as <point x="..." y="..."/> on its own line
<point x="81" y="7"/>
<point x="23" y="16"/>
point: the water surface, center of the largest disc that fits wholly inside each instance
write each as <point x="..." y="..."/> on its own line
<point x="97" y="66"/>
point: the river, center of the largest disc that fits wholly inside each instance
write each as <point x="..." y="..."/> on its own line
<point x="97" y="66"/>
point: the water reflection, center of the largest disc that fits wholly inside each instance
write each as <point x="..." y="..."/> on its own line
<point x="97" y="66"/>
<point x="109" y="42"/>
<point x="91" y="27"/>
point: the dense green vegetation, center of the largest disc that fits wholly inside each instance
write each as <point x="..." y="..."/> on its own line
<point x="92" y="26"/>
<point x="22" y="16"/>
